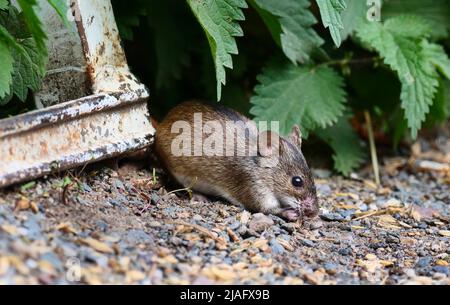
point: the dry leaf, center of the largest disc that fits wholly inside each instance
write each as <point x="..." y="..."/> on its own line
<point x="67" y="228"/>
<point x="22" y="205"/>
<point x="445" y="233"/>
<point x="98" y="245"/>
<point x="11" y="230"/>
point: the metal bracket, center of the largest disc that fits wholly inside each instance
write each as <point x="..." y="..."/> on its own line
<point x="112" y="121"/>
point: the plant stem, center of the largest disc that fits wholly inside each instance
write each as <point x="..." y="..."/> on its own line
<point x="373" y="149"/>
<point x="346" y="61"/>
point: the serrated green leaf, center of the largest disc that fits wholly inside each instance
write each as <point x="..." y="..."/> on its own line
<point x="29" y="68"/>
<point x="298" y="38"/>
<point x="330" y="11"/>
<point x="312" y="97"/>
<point x="353" y="16"/>
<point x="348" y="152"/>
<point x="218" y="19"/>
<point x="33" y="22"/>
<point x="61" y="9"/>
<point x="438" y="57"/>
<point x="400" y="42"/>
<point x="435" y="12"/>
<point x="6" y="69"/>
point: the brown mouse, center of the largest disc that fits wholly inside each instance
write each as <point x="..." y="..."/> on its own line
<point x="275" y="179"/>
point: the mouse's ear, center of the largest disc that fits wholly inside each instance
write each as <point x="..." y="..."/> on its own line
<point x="296" y="136"/>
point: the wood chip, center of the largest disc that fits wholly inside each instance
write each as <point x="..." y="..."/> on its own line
<point x="97" y="245"/>
<point x="445" y="233"/>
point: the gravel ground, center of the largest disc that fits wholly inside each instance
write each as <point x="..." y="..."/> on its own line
<point x="107" y="226"/>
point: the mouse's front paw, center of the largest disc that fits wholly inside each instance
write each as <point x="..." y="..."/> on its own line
<point x="290" y="214"/>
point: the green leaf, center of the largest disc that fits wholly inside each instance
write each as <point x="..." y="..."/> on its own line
<point x="348" y="152"/>
<point x="6" y="68"/>
<point x="33" y="23"/>
<point x="218" y="20"/>
<point x="172" y="45"/>
<point x="61" y="9"/>
<point x="330" y="11"/>
<point x="438" y="57"/>
<point x="298" y="38"/>
<point x="435" y="12"/>
<point x="312" y="97"/>
<point x="400" y="42"/>
<point x="3" y="4"/>
<point x="353" y="16"/>
<point x="439" y="111"/>
<point x="29" y="68"/>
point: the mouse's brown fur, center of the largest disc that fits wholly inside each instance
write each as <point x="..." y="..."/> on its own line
<point x="253" y="181"/>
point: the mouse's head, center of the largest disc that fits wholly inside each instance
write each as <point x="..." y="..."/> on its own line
<point x="291" y="179"/>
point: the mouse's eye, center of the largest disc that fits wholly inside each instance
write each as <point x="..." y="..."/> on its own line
<point x="297" y="181"/>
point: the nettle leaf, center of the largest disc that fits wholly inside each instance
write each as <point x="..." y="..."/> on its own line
<point x="218" y="20"/>
<point x="28" y="61"/>
<point x="400" y="41"/>
<point x="6" y="68"/>
<point x="312" y="97"/>
<point x="438" y="57"/>
<point x="348" y="151"/>
<point x="29" y="68"/>
<point x="33" y="23"/>
<point x="353" y="16"/>
<point x="435" y="12"/>
<point x="298" y="38"/>
<point x="330" y="11"/>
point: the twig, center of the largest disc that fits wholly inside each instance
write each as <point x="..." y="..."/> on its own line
<point x="373" y="149"/>
<point x="348" y="61"/>
<point x="198" y="228"/>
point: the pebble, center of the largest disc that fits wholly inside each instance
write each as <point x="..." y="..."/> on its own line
<point x="260" y="222"/>
<point x="345" y="251"/>
<point x="289" y="227"/>
<point x="442" y="269"/>
<point x="332" y="217"/>
<point x="276" y="247"/>
<point x="424" y="262"/>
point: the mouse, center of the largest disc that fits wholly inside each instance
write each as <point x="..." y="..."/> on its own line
<point x="197" y="143"/>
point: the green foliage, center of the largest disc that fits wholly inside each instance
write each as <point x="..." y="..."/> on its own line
<point x="22" y="48"/>
<point x="348" y="152"/>
<point x="6" y="68"/>
<point x="218" y="19"/>
<point x="396" y="68"/>
<point x="294" y="27"/>
<point x="331" y="10"/>
<point x="312" y="86"/>
<point x="435" y="12"/>
<point x="401" y="41"/>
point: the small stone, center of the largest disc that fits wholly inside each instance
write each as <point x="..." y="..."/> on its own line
<point x="289" y="227"/>
<point x="307" y="242"/>
<point x="442" y="269"/>
<point x="424" y="262"/>
<point x="332" y="217"/>
<point x="276" y="247"/>
<point x="330" y="268"/>
<point x="345" y="251"/>
<point x="260" y="222"/>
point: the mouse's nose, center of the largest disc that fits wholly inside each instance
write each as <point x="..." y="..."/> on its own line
<point x="310" y="206"/>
